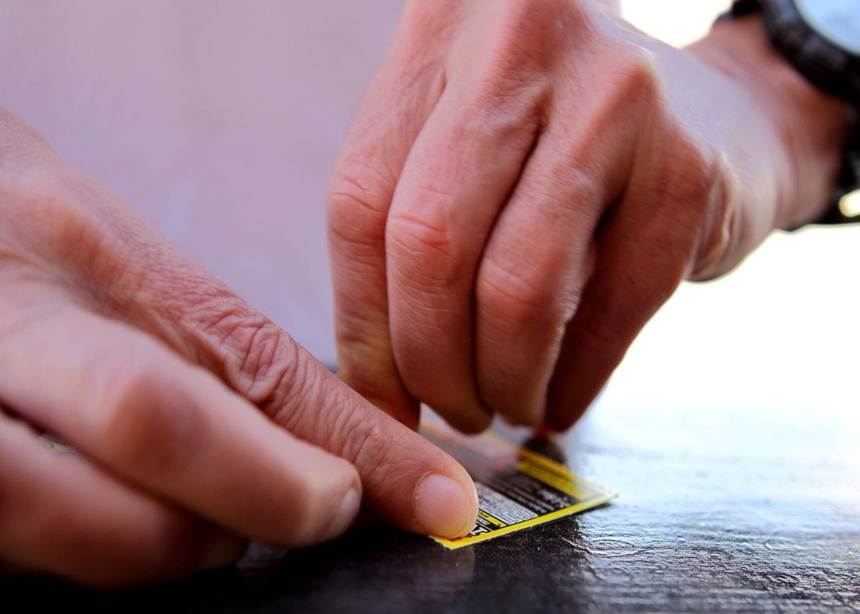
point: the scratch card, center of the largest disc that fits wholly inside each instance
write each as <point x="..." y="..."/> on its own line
<point x="517" y="488"/>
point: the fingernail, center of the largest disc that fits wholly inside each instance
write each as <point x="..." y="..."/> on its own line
<point x="443" y="507"/>
<point x="223" y="549"/>
<point x="345" y="515"/>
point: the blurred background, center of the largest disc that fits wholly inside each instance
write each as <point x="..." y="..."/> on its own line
<point x="222" y="132"/>
<point x="777" y="332"/>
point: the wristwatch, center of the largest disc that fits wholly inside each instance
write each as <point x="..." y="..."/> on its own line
<point x="821" y="39"/>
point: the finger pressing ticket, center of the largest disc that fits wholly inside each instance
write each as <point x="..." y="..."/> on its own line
<point x="517" y="487"/>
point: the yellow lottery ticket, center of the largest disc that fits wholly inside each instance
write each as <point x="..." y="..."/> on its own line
<point x="517" y="488"/>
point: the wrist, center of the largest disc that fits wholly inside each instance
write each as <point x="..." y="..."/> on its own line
<point x="810" y="126"/>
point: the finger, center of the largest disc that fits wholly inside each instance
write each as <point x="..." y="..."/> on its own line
<point x="359" y="197"/>
<point x="541" y="252"/>
<point x="131" y="404"/>
<point x="61" y="515"/>
<point x="440" y="219"/>
<point x="639" y="266"/>
<point x="407" y="481"/>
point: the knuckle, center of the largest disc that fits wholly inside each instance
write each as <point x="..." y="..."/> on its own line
<point x="141" y="429"/>
<point x="508" y="100"/>
<point x="49" y="194"/>
<point x="336" y="425"/>
<point x="359" y="441"/>
<point x="255" y="358"/>
<point x="690" y="194"/>
<point x="363" y="443"/>
<point x="429" y="229"/>
<point x="422" y="244"/>
<point x="422" y="18"/>
<point x="359" y="196"/>
<point x="531" y="31"/>
<point x="47" y="185"/>
<point x="630" y="86"/>
<point x="297" y="389"/>
<point x="519" y="65"/>
<point x="266" y="366"/>
<point x="638" y="79"/>
<point x="505" y="108"/>
<point x="77" y="224"/>
<point x="520" y="294"/>
<point x="694" y="175"/>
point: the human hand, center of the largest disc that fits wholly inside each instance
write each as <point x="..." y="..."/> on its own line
<point x="526" y="182"/>
<point x="114" y="341"/>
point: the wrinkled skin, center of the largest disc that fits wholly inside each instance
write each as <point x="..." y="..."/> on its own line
<point x="198" y="424"/>
<point x="527" y="181"/>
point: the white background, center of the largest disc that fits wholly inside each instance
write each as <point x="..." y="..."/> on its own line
<point x="779" y="332"/>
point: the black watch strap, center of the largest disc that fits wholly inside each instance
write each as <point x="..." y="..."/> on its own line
<point x="833" y="71"/>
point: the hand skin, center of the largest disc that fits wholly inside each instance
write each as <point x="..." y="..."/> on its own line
<point x="198" y="423"/>
<point x="527" y="181"/>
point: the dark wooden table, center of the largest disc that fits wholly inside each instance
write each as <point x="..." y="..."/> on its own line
<point x="731" y="497"/>
<point x="734" y="511"/>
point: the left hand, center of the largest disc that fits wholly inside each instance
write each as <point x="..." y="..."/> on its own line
<point x="198" y="423"/>
<point x="527" y="181"/>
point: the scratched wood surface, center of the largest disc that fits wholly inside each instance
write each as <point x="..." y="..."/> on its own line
<point x="739" y="510"/>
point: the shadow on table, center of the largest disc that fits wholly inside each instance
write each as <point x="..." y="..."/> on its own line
<point x="374" y="569"/>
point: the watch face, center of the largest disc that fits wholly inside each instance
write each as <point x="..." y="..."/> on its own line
<point x="836" y="20"/>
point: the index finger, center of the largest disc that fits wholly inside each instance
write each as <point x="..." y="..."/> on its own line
<point x="406" y="480"/>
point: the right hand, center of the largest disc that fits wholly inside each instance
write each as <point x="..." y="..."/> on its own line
<point x="155" y="373"/>
<point x="527" y="181"/>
